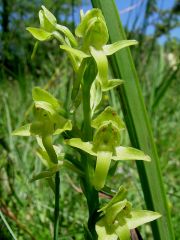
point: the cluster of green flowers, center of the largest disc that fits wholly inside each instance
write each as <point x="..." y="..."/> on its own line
<point x="116" y="217"/>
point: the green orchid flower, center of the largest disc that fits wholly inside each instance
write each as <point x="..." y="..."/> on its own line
<point x="48" y="122"/>
<point x="92" y="29"/>
<point x="106" y="145"/>
<point x="94" y="33"/>
<point x="49" y="28"/>
<point x="117" y="218"/>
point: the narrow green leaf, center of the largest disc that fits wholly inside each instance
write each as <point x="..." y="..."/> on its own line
<point x="110" y="49"/>
<point x="163" y="87"/>
<point x="7" y="225"/>
<point x="39" y="34"/>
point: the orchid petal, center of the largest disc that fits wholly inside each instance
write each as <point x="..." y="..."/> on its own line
<point x="112" y="83"/>
<point x="51" y="18"/>
<point x="86" y="19"/>
<point x="39" y="34"/>
<point x="46" y="106"/>
<point x="47" y="143"/>
<point x="22" y="131"/>
<point x="102" y="167"/>
<point x="67" y="33"/>
<point x="129" y="153"/>
<point x="76" y="52"/>
<point x="39" y="94"/>
<point x="78" y="143"/>
<point x="109" y="114"/>
<point x="66" y="127"/>
<point x="93" y="29"/>
<point x="119" y="196"/>
<point x="104" y="231"/>
<point x="140" y="217"/>
<point x="110" y="49"/>
<point x="45" y="23"/>
<point x="114" y="210"/>
<point x="123" y="232"/>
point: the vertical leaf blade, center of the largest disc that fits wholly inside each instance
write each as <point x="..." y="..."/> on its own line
<point x="138" y="124"/>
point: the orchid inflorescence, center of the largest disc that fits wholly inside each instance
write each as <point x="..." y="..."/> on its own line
<point x="117" y="217"/>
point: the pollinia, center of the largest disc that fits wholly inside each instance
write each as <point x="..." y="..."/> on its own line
<point x="98" y="140"/>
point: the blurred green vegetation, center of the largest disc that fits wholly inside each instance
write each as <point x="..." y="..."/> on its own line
<point x="28" y="210"/>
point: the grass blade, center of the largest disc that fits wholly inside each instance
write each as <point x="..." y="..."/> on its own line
<point x="7" y="225"/>
<point x="162" y="89"/>
<point x="137" y="123"/>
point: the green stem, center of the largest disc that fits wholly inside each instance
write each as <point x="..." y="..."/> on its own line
<point x="48" y="145"/>
<point x="87" y="130"/>
<point x="89" y="190"/>
<point x="56" y="209"/>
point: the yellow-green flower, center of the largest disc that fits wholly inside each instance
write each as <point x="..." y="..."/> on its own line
<point x="117" y="218"/>
<point x="106" y="145"/>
